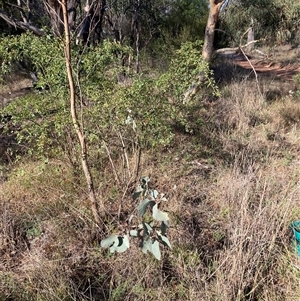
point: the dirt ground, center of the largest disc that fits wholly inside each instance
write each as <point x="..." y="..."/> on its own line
<point x="15" y="86"/>
<point x="280" y="62"/>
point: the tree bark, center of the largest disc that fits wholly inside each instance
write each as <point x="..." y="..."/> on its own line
<point x="207" y="50"/>
<point x="91" y="28"/>
<point x="214" y="9"/>
<point x="78" y="128"/>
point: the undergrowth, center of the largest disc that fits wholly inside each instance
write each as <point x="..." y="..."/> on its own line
<point x="233" y="188"/>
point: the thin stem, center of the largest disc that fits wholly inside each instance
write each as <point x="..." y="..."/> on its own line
<point x="76" y="124"/>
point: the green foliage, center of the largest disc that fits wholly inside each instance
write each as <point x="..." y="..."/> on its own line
<point x="185" y="69"/>
<point x="41" y="123"/>
<point x="147" y="111"/>
<point x="116" y="243"/>
<point x="277" y="21"/>
<point x="41" y="120"/>
<point x="43" y="54"/>
<point x="140" y="108"/>
<point x="152" y="229"/>
<point x="185" y="22"/>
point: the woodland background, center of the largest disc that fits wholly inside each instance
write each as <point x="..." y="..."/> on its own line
<point x="95" y="100"/>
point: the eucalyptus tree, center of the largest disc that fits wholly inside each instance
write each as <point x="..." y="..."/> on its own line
<point x="136" y="23"/>
<point x="214" y="9"/>
<point x="23" y="15"/>
<point x="84" y="17"/>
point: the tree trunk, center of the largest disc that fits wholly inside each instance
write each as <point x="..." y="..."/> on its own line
<point x="214" y="9"/>
<point x="135" y="33"/>
<point x="99" y="16"/>
<point x="90" y="32"/>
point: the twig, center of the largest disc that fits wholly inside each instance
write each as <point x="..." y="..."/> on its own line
<point x="252" y="67"/>
<point x="240" y="48"/>
<point x="112" y="163"/>
<point x="244" y="34"/>
<point x="126" y="163"/>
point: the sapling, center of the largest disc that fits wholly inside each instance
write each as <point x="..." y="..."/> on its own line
<point x="152" y="229"/>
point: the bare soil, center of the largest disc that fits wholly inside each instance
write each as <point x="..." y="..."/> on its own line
<point x="281" y="62"/>
<point x="14" y="87"/>
<point x="268" y="67"/>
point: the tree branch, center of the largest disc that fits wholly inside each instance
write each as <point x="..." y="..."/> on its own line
<point x="19" y="24"/>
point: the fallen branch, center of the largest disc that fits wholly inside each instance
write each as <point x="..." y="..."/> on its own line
<point x="195" y="87"/>
<point x="237" y="49"/>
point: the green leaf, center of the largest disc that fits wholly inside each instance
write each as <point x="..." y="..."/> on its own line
<point x="154" y="193"/>
<point x="163" y="228"/>
<point x="164" y="239"/>
<point x="146" y="246"/>
<point x="155" y="250"/>
<point x="145" y="180"/>
<point x="134" y="233"/>
<point x="147" y="229"/>
<point x="126" y="240"/>
<point x="167" y="223"/>
<point x="143" y="206"/>
<point x="121" y="244"/>
<point x="109" y="241"/>
<point x="114" y="247"/>
<point x="137" y="192"/>
<point x="124" y="244"/>
<point x="159" y="215"/>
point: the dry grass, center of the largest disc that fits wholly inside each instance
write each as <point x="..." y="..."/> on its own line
<point x="233" y="189"/>
<point x="285" y="54"/>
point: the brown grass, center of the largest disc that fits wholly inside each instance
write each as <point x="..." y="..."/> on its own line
<point x="233" y="189"/>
